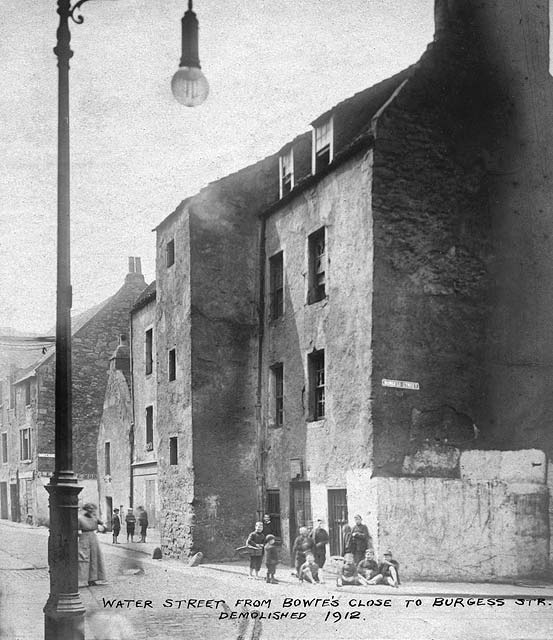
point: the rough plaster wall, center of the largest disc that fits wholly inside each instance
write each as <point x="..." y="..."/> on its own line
<point x="224" y="287"/>
<point x="550" y="488"/>
<point x="526" y="465"/>
<point x="115" y="427"/>
<point x="174" y="411"/>
<point x="319" y="503"/>
<point x="144" y="386"/>
<point x="341" y="202"/>
<point x="431" y="252"/>
<point x="454" y="530"/>
<point x="362" y="500"/>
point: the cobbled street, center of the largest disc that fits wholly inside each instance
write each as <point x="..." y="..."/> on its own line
<point x="134" y="577"/>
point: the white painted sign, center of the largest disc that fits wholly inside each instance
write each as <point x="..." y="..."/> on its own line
<point x="46" y="455"/>
<point x="400" y="384"/>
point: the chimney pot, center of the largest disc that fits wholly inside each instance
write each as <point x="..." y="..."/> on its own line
<point x="131" y="264"/>
<point x="138" y="265"/>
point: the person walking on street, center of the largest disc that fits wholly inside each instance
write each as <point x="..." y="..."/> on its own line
<point x="130" y="522"/>
<point x="142" y="523"/>
<point x="271" y="558"/>
<point x="115" y="525"/>
<point x="91" y="563"/>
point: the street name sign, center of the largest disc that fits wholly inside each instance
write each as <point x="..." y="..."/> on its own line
<point x="400" y="384"/>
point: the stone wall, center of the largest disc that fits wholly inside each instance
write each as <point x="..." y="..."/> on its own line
<point x="340" y="324"/>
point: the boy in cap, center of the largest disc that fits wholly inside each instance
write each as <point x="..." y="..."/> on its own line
<point x="271" y="558"/>
<point x="115" y="525"/>
<point x="388" y="572"/>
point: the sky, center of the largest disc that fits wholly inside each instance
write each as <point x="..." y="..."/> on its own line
<point x="136" y="153"/>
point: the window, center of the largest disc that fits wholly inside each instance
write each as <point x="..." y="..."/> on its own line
<point x="276" y="275"/>
<point x="27" y="393"/>
<point x="317" y="384"/>
<point x="323" y="146"/>
<point x="317" y="266"/>
<point x="149" y="351"/>
<point x="273" y="510"/>
<point x="173" y="450"/>
<point x="277" y="372"/>
<point x="4" y="447"/>
<point x="149" y="428"/>
<point x="107" y="459"/>
<point x="170" y="253"/>
<point x="25" y="444"/>
<point x="286" y="168"/>
<point x="172" y="364"/>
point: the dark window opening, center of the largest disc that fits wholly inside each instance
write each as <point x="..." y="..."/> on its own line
<point x="4" y="447"/>
<point x="322" y="158"/>
<point x="170" y="253"/>
<point x="317" y="383"/>
<point x="286" y="173"/>
<point x="278" y="393"/>
<point x="323" y="145"/>
<point x="272" y="508"/>
<point x="317" y="266"/>
<point x="107" y="459"/>
<point x="149" y="428"/>
<point x="27" y="393"/>
<point x="172" y="364"/>
<point x="149" y="351"/>
<point x="25" y="444"/>
<point x="276" y="273"/>
<point x="173" y="450"/>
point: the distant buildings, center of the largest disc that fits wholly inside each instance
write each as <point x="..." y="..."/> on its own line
<point x="27" y="430"/>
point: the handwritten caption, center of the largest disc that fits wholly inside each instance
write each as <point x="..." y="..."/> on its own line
<point x="333" y="608"/>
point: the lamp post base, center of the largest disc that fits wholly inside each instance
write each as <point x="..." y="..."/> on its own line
<point x="64" y="610"/>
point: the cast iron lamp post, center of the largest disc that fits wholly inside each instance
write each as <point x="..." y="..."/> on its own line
<point x="64" y="610"/>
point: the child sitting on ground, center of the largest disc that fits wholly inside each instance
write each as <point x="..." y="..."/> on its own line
<point x="271" y="558"/>
<point x="388" y="572"/>
<point x="367" y="568"/>
<point x="309" y="570"/>
<point x="348" y="573"/>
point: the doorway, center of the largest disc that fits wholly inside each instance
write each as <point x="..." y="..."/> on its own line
<point x="109" y="511"/>
<point x="300" y="508"/>
<point x="14" y="503"/>
<point x="337" y="518"/>
<point x="3" y="500"/>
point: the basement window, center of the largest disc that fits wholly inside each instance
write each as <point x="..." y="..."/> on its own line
<point x="286" y="171"/>
<point x="172" y="365"/>
<point x="173" y="451"/>
<point x="323" y="145"/>
<point x="276" y="276"/>
<point x="317" y="266"/>
<point x="170" y="253"/>
<point x="149" y="428"/>
<point x="317" y="384"/>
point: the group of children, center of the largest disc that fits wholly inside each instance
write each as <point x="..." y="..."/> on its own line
<point x="130" y="524"/>
<point x="368" y="571"/>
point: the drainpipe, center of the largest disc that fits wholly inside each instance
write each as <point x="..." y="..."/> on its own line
<point x="260" y="431"/>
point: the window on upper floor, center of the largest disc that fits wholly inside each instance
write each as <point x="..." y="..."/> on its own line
<point x="286" y="171"/>
<point x="173" y="450"/>
<point x="172" y="365"/>
<point x="4" y="447"/>
<point x="316" y="367"/>
<point x="25" y="444"/>
<point x="107" y="458"/>
<point x="323" y="145"/>
<point x="170" y="253"/>
<point x="277" y="376"/>
<point x="27" y="393"/>
<point x="149" y="428"/>
<point x="276" y="277"/>
<point x="149" y="355"/>
<point x="317" y="266"/>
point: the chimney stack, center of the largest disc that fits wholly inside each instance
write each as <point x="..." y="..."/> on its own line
<point x="135" y="270"/>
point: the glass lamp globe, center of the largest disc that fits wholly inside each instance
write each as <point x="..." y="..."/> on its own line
<point x="190" y="86"/>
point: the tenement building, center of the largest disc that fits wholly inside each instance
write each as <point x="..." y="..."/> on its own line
<point x="28" y="435"/>
<point x="360" y="324"/>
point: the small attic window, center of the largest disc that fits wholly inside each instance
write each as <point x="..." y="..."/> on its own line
<point x="323" y="145"/>
<point x="286" y="172"/>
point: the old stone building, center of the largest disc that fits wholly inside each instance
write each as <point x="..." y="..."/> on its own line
<point x="127" y="440"/>
<point x="30" y="433"/>
<point x="360" y="323"/>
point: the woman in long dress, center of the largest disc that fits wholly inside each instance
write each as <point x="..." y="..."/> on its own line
<point x="91" y="562"/>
